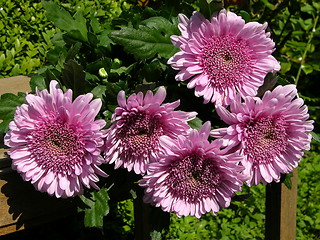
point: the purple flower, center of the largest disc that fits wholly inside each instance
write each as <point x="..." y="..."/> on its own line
<point x="271" y="132"/>
<point x="193" y="175"/>
<point x="222" y="56"/>
<point x="133" y="139"/>
<point x="55" y="143"/>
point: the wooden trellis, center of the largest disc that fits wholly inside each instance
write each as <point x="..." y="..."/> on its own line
<point x="22" y="207"/>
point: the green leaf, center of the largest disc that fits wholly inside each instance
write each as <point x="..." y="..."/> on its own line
<point x="195" y="123"/>
<point x="38" y="81"/>
<point x="316" y="5"/>
<point x="122" y="69"/>
<point x="315" y="136"/>
<point x="152" y="38"/>
<point x="152" y="72"/>
<point x="287" y="180"/>
<point x="207" y="8"/>
<point x="112" y="90"/>
<point x="56" y="56"/>
<point x="99" y="91"/>
<point x="285" y="67"/>
<point x="306" y="8"/>
<point x="268" y="4"/>
<point x="8" y="105"/>
<point x="75" y="26"/>
<point x="155" y="235"/>
<point x="307" y="69"/>
<point x="73" y="51"/>
<point x="51" y="74"/>
<point x="104" y="39"/>
<point x="306" y="24"/>
<point x="73" y="77"/>
<point x="98" y="207"/>
<point x="245" y="15"/>
<point x="133" y="193"/>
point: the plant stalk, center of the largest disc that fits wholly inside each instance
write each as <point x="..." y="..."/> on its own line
<point x="306" y="50"/>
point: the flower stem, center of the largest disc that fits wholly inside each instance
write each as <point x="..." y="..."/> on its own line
<point x="306" y="49"/>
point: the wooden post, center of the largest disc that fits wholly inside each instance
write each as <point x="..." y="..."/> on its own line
<point x="281" y="206"/>
<point x="148" y="218"/>
<point x="142" y="223"/>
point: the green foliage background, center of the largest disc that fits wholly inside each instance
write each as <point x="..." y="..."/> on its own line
<point x="25" y="31"/>
<point x="74" y="48"/>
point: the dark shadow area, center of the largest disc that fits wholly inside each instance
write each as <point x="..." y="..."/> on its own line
<point x="120" y="182"/>
<point x="68" y="228"/>
<point x="48" y="218"/>
<point x="29" y="207"/>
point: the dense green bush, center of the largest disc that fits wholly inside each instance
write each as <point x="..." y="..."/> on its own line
<point x="242" y="220"/>
<point x="308" y="209"/>
<point x="25" y="36"/>
<point x="25" y="31"/>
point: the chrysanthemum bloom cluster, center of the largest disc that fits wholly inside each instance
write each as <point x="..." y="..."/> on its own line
<point x="271" y="132"/>
<point x="223" y="56"/>
<point x="133" y="140"/>
<point x="55" y="143"/>
<point x="193" y="176"/>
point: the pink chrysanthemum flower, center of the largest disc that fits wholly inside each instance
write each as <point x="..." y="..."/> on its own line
<point x="222" y="56"/>
<point x="133" y="140"/>
<point x="193" y="175"/>
<point x="55" y="143"/>
<point x="271" y="132"/>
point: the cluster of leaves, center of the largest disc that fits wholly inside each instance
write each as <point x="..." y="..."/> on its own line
<point x="104" y="11"/>
<point x="8" y="104"/>
<point x="244" y="219"/>
<point x="24" y="37"/>
<point x="308" y="209"/>
<point x="296" y="30"/>
<point x="25" y="32"/>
